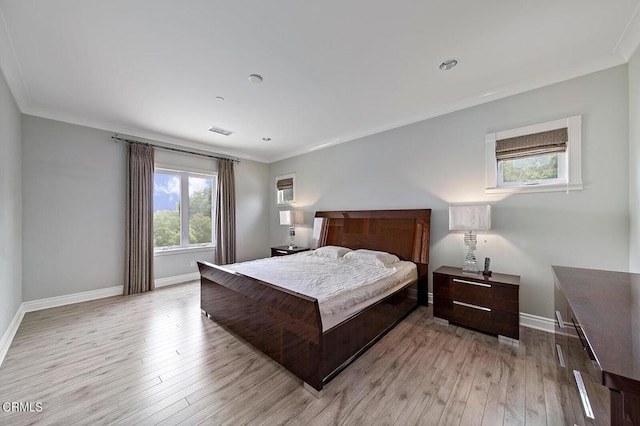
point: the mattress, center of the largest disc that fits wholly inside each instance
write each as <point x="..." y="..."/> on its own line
<point x="342" y="287"/>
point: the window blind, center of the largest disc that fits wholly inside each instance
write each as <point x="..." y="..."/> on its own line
<point x="283" y="184"/>
<point x="534" y="144"/>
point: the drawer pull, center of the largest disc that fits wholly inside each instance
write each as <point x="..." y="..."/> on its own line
<point x="560" y="356"/>
<point x="583" y="395"/>
<point x="281" y="251"/>
<point x="455" y="280"/>
<point x="560" y="321"/>
<point x="469" y="305"/>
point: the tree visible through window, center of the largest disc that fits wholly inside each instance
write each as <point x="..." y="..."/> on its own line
<point x="530" y="169"/>
<point x="174" y="226"/>
<point x="200" y="204"/>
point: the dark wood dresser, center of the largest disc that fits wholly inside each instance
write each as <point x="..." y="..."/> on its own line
<point x="598" y="341"/>
<point x="489" y="304"/>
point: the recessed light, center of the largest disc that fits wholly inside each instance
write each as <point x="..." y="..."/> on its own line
<point x="448" y="64"/>
<point x="255" y="78"/>
<point x="266" y="139"/>
<point x="220" y="98"/>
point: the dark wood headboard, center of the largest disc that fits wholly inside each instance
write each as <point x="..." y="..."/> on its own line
<point x="404" y="233"/>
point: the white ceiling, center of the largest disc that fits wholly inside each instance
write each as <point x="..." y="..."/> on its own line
<point x="333" y="70"/>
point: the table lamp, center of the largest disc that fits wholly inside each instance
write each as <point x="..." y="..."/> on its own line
<point x="470" y="219"/>
<point x="287" y="218"/>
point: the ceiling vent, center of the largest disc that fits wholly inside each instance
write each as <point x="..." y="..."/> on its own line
<point x="220" y="130"/>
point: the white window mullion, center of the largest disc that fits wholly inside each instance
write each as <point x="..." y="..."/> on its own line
<point x="184" y="209"/>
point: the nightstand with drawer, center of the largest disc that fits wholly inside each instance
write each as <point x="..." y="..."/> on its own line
<point x="285" y="250"/>
<point x="488" y="304"/>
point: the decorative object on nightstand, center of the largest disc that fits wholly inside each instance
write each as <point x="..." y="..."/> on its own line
<point x="286" y="250"/>
<point x="470" y="219"/>
<point x="487" y="303"/>
<point x="289" y="218"/>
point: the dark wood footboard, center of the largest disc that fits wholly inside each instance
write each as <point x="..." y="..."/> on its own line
<point x="283" y="324"/>
<point x="287" y="327"/>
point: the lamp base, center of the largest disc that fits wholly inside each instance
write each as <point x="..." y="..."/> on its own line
<point x="470" y="262"/>
<point x="470" y="268"/>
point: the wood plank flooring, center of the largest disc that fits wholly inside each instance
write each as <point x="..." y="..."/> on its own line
<point x="155" y="359"/>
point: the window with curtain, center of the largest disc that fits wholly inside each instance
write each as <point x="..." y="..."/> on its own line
<point x="542" y="157"/>
<point x="183" y="206"/>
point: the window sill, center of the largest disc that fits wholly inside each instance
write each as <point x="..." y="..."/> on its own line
<point x="182" y="250"/>
<point x="560" y="187"/>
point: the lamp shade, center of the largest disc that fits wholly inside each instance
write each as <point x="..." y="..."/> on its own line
<point x="286" y="217"/>
<point x="469" y="218"/>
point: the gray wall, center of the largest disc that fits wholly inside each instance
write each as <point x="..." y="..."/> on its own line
<point x="73" y="194"/>
<point x="438" y="162"/>
<point x="634" y="162"/>
<point x="10" y="208"/>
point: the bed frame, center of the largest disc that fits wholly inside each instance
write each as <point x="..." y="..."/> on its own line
<point x="286" y="325"/>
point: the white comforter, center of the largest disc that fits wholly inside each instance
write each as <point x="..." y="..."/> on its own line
<point x="338" y="284"/>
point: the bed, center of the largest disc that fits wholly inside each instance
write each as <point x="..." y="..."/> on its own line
<point x="287" y="325"/>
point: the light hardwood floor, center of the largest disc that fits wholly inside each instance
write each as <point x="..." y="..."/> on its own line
<point x="155" y="359"/>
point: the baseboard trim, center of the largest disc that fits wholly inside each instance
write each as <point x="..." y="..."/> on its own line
<point x="527" y="320"/>
<point x="177" y="279"/>
<point x="6" y="340"/>
<point x="538" y="323"/>
<point x="85" y="296"/>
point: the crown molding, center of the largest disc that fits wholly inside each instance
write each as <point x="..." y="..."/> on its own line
<point x="10" y="66"/>
<point x="137" y="133"/>
<point x="515" y="88"/>
<point x="630" y="38"/>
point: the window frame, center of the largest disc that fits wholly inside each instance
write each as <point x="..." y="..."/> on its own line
<point x="184" y="212"/>
<point x="569" y="162"/>
<point x="278" y="192"/>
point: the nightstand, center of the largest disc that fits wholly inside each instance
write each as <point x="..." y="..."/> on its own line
<point x="285" y="250"/>
<point x="488" y="304"/>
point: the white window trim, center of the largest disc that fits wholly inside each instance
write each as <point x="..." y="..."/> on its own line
<point x="285" y="203"/>
<point x="184" y="213"/>
<point x="572" y="158"/>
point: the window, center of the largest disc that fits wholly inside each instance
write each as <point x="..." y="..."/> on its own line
<point x="285" y="189"/>
<point x="177" y="227"/>
<point x="542" y="157"/>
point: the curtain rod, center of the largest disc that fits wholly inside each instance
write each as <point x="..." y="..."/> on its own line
<point x="117" y="138"/>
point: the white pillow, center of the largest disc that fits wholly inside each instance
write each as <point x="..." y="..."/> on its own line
<point x="371" y="257"/>
<point x="332" y="252"/>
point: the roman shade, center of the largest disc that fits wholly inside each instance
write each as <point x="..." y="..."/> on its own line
<point x="534" y="144"/>
<point x="286" y="183"/>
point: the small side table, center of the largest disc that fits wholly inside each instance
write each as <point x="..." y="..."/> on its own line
<point x="285" y="250"/>
<point x="488" y="304"/>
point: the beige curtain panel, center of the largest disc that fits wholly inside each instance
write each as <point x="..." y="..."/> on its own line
<point x="283" y="184"/>
<point x="226" y="214"/>
<point x="533" y="144"/>
<point x="139" y="220"/>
